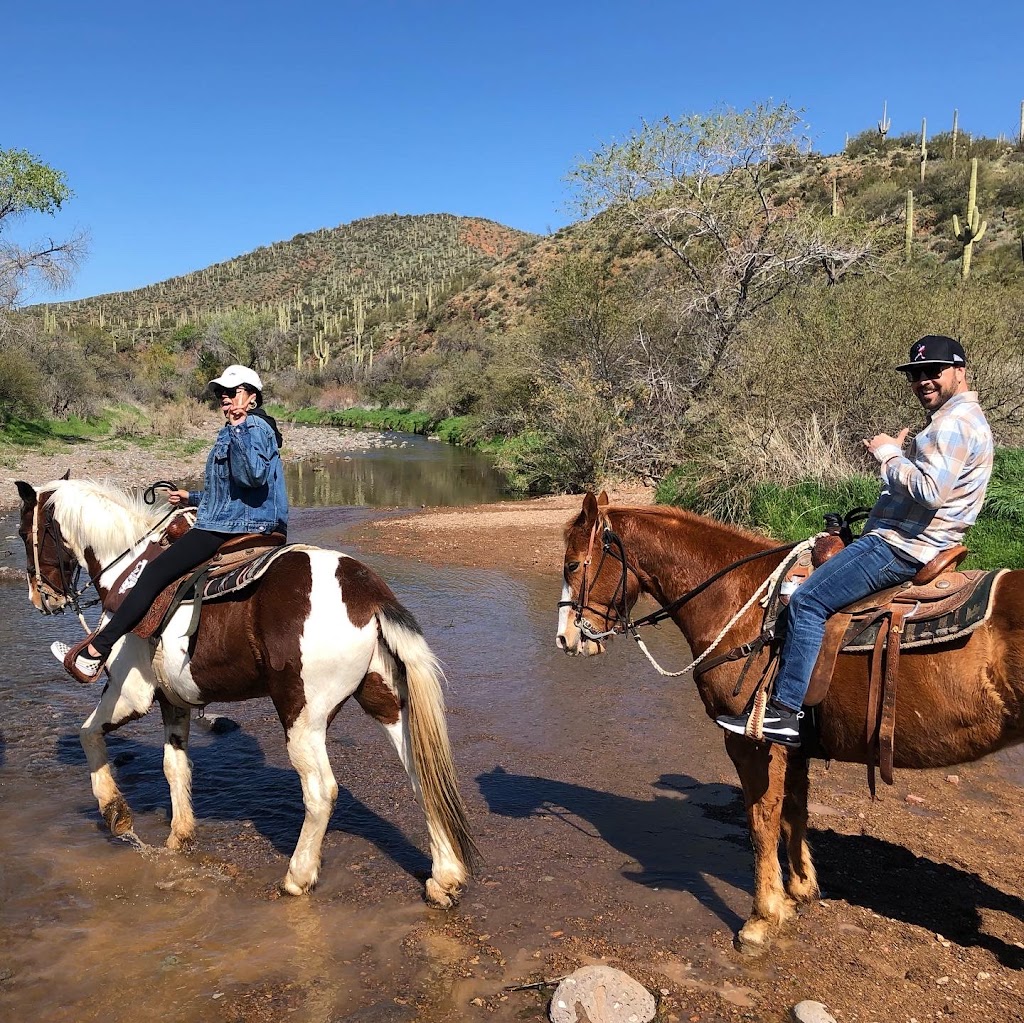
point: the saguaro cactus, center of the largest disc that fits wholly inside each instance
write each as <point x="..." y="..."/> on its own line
<point x="974" y="226"/>
<point x="835" y="196"/>
<point x="952" y="154"/>
<point x="885" y="122"/>
<point x="924" y="146"/>
<point x="908" y="239"/>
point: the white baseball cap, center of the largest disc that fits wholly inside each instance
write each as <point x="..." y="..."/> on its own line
<point x="235" y="375"/>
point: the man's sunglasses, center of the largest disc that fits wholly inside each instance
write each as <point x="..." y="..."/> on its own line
<point x="920" y="373"/>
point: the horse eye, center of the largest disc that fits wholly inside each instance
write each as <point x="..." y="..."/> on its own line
<point x="572" y="566"/>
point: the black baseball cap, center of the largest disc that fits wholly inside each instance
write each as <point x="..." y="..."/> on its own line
<point x="935" y="348"/>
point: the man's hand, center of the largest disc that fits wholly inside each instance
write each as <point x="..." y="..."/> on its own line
<point x="881" y="439"/>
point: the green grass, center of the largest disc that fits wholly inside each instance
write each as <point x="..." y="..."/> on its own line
<point x="795" y="512"/>
<point x="40" y="433"/>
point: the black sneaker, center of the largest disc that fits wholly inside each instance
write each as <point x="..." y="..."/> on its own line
<point x="781" y="724"/>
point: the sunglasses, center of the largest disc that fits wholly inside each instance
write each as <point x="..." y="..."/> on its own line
<point x="224" y="392"/>
<point x="915" y="376"/>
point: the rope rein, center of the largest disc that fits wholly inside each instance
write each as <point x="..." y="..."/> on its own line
<point x="769" y="584"/>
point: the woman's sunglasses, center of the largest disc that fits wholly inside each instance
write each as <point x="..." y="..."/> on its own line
<point x="224" y="392"/>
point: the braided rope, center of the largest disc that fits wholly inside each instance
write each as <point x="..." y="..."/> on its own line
<point x="768" y="584"/>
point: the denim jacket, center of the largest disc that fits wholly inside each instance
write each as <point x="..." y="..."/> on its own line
<point x="245" y="491"/>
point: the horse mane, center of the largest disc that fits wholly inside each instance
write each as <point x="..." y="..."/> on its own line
<point x="100" y="515"/>
<point x="663" y="517"/>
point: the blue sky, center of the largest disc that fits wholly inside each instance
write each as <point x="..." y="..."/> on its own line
<point x="193" y="132"/>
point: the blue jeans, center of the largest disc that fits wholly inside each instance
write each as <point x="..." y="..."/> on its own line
<point x="865" y="566"/>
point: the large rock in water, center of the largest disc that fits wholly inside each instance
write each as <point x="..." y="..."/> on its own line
<point x="606" y="995"/>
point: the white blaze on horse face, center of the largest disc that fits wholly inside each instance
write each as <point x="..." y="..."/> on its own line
<point x="564" y="622"/>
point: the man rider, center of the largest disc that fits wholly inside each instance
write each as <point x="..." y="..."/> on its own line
<point x="929" y="497"/>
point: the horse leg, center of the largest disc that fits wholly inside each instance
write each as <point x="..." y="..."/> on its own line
<point x="379" y="699"/>
<point x="762" y="771"/>
<point x="307" y="750"/>
<point x="178" y="772"/>
<point x="803" y="879"/>
<point x="126" y="697"/>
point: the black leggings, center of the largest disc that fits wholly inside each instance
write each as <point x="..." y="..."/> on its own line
<point x="186" y="553"/>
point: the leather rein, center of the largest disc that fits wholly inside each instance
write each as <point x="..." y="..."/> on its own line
<point x="612" y="546"/>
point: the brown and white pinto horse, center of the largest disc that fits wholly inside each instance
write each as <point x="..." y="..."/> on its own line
<point x="956" y="703"/>
<point x="319" y="628"/>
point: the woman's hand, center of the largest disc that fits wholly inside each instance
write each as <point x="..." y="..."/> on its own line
<point x="236" y="406"/>
<point x="176" y="497"/>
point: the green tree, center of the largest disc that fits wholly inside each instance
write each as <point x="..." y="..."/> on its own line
<point x="27" y="185"/>
<point x="706" y="189"/>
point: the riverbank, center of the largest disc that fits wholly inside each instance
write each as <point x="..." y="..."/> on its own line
<point x="126" y="464"/>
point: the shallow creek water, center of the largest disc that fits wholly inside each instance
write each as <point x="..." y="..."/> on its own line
<point x="599" y="798"/>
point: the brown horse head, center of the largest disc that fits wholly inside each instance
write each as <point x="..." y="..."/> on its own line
<point x="49" y="564"/>
<point x="598" y="586"/>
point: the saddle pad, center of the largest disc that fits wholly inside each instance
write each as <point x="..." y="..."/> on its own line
<point x="245" y="574"/>
<point x="183" y="589"/>
<point x="943" y="627"/>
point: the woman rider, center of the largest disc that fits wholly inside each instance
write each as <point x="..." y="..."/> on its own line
<point x="245" y="493"/>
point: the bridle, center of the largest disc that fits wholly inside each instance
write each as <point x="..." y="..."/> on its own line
<point x="66" y="564"/>
<point x="612" y="546"/>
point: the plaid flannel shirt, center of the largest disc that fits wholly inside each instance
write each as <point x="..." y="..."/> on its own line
<point x="930" y="496"/>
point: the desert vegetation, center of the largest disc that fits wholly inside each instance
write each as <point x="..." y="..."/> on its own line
<point x="721" y="320"/>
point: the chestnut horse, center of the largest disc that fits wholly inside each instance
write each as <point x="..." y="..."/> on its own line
<point x="957" y="702"/>
<point x="318" y="628"/>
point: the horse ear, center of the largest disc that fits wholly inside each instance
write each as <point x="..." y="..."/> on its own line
<point x="589" y="510"/>
<point x="67" y="475"/>
<point x="26" y="492"/>
<point x="602" y="499"/>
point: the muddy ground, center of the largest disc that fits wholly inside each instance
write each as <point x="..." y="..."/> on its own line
<point x="922" y="916"/>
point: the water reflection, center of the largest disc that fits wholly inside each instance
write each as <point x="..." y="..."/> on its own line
<point x="409" y="472"/>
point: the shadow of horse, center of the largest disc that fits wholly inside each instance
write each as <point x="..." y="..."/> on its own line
<point x="686" y="833"/>
<point x="233" y="782"/>
<point x="690" y="832"/>
<point x="893" y="882"/>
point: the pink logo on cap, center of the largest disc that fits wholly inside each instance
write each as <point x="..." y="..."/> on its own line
<point x="920" y="353"/>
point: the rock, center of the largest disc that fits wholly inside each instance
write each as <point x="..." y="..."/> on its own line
<point x="811" y="1012"/>
<point x="953" y="779"/>
<point x="911" y="798"/>
<point x="606" y="995"/>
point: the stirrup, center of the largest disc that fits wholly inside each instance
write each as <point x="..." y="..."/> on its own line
<point x="70" y="662"/>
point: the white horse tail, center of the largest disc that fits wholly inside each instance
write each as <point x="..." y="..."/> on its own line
<point x="421" y="689"/>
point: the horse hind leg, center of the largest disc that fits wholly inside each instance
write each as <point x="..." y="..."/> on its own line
<point x="383" y="694"/>
<point x="178" y="772"/>
<point x="802" y="884"/>
<point x="762" y="770"/>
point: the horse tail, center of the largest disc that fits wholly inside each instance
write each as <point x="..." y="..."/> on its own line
<point x="422" y="690"/>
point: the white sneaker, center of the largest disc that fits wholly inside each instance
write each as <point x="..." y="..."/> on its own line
<point x="87" y="665"/>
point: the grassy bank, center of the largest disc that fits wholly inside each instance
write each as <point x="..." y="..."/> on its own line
<point x="797" y="511"/>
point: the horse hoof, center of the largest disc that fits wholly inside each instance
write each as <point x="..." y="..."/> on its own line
<point x="440" y="897"/>
<point x="291" y="887"/>
<point x="185" y="844"/>
<point x="754" y="939"/>
<point x="118" y="816"/>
